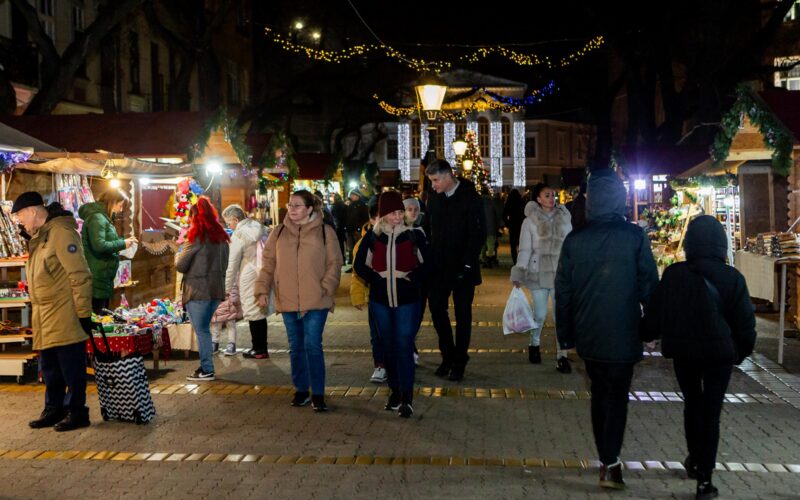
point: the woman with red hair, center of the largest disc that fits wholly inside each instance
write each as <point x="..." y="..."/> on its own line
<point x="203" y="262"/>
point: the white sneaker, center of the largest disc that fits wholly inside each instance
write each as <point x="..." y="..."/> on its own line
<point x="230" y="350"/>
<point x="378" y="376"/>
<point x="416" y="359"/>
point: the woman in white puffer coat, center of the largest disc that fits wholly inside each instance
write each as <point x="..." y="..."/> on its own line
<point x="544" y="229"/>
<point x="243" y="267"/>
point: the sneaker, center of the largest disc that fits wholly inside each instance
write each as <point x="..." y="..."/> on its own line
<point x="318" y="403"/>
<point x="563" y="365"/>
<point x="300" y="399"/>
<point x="416" y="359"/>
<point x="251" y="354"/>
<point x="534" y="355"/>
<point x="200" y="375"/>
<point x="378" y="376"/>
<point x="405" y="411"/>
<point x="394" y="402"/>
<point x="230" y="350"/>
<point x="611" y="476"/>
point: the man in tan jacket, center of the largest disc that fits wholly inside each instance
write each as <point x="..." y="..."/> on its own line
<point x="60" y="287"/>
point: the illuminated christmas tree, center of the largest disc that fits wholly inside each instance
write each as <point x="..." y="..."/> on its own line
<point x="477" y="173"/>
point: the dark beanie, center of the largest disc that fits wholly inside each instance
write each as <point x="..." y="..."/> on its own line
<point x="25" y="200"/>
<point x="390" y="201"/>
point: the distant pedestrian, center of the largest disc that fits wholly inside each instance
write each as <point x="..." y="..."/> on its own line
<point x="356" y="215"/>
<point x="513" y="216"/>
<point x="393" y="259"/>
<point x="543" y="231"/>
<point x="303" y="263"/>
<point x="456" y="227"/>
<point x="701" y="310"/>
<point x="605" y="273"/>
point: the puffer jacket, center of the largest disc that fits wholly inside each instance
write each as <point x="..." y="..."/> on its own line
<point x="359" y="289"/>
<point x="394" y="262"/>
<point x="59" y="282"/>
<point x="605" y="272"/>
<point x="243" y="266"/>
<point x="229" y="309"/>
<point x="203" y="265"/>
<point x="686" y="315"/>
<point x="540" y="243"/>
<point x="101" y="246"/>
<point x="303" y="266"/>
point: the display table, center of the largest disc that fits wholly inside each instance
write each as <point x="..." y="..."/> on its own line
<point x="146" y="341"/>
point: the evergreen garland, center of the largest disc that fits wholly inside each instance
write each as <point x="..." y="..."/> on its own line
<point x="221" y="121"/>
<point x="775" y="135"/>
<point x="700" y="181"/>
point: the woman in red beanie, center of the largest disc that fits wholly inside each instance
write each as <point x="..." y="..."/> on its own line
<point x="393" y="259"/>
<point x="203" y="262"/>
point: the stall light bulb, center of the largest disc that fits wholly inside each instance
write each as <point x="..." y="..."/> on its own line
<point x="639" y="184"/>
<point x="213" y="167"/>
<point x="353" y="184"/>
<point x="114" y="183"/>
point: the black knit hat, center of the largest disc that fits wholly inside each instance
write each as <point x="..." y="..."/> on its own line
<point x="25" y="200"/>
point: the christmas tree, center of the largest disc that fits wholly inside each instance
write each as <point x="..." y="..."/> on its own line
<point x="477" y="174"/>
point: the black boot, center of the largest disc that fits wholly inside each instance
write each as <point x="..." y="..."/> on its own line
<point x="704" y="487"/>
<point x="534" y="356"/>
<point x="444" y="368"/>
<point x="48" y="418"/>
<point x="75" y="419"/>
<point x="691" y="467"/>
<point x="563" y="365"/>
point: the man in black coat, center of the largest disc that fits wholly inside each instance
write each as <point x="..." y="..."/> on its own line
<point x="457" y="229"/>
<point x="356" y="215"/>
<point x="605" y="272"/>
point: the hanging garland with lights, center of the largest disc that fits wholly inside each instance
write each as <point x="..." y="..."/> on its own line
<point x="10" y="159"/>
<point x="221" y="121"/>
<point x="477" y="174"/>
<point x="705" y="181"/>
<point x="534" y="97"/>
<point x="417" y="64"/>
<point x="279" y="154"/>
<point x="775" y="135"/>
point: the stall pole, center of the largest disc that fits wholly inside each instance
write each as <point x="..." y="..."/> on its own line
<point x="3" y="187"/>
<point x="783" y="313"/>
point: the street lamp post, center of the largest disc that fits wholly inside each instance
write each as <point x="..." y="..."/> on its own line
<point x="430" y="96"/>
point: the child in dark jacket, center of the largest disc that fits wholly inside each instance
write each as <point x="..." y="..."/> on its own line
<point x="392" y="259"/>
<point x="701" y="310"/>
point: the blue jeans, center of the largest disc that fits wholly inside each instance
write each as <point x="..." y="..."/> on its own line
<point x="397" y="327"/>
<point x="375" y="341"/>
<point x="305" y="349"/>
<point x="539" y="296"/>
<point x="200" y="312"/>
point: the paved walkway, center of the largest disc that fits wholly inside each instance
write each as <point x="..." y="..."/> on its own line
<point x="509" y="430"/>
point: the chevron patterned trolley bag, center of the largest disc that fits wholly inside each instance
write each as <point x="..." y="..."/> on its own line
<point x="122" y="385"/>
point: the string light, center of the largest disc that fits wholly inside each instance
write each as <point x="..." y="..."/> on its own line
<point x="449" y="137"/>
<point x="534" y="97"/>
<point x="404" y="150"/>
<point x="477" y="105"/>
<point x="496" y="152"/>
<point x="418" y="64"/>
<point x="519" y="154"/>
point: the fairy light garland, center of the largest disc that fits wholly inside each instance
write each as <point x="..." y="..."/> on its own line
<point x="404" y="150"/>
<point x="418" y="64"/>
<point x="519" y="154"/>
<point x="476" y="105"/>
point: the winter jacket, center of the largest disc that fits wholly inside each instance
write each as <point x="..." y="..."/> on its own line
<point x="101" y="246"/>
<point x="491" y="214"/>
<point x="686" y="315"/>
<point x="59" y="282"/>
<point x="303" y="265"/>
<point x="540" y="243"/>
<point x="456" y="228"/>
<point x="356" y="215"/>
<point x="359" y="289"/>
<point x="606" y="270"/>
<point x="229" y="309"/>
<point x="243" y="266"/>
<point x="203" y="265"/>
<point x="393" y="261"/>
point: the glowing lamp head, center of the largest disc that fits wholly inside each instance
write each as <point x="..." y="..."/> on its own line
<point x="459" y="147"/>
<point x="213" y="167"/>
<point x="430" y="97"/>
<point x="639" y="184"/>
<point x="114" y="183"/>
<point x="467" y="165"/>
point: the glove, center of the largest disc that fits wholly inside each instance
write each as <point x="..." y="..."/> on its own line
<point x="87" y="324"/>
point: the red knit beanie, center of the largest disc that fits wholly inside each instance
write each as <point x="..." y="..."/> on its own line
<point x="390" y="201"/>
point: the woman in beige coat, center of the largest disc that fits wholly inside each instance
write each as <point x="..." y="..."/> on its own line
<point x="303" y="260"/>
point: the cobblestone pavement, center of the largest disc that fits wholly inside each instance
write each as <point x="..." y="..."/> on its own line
<point x="509" y="430"/>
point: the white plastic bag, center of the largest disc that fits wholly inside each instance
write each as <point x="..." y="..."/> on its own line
<point x="518" y="316"/>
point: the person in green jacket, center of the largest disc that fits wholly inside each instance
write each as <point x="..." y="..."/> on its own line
<point x="102" y="244"/>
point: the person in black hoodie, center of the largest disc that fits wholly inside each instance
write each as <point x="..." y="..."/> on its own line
<point x="456" y="226"/>
<point x="701" y="310"/>
<point x="513" y="216"/>
<point x="605" y="272"/>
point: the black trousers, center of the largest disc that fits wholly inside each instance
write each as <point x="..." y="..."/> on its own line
<point x="611" y="383"/>
<point x="258" y="335"/>
<point x="454" y="353"/>
<point x="64" y="372"/>
<point x="99" y="304"/>
<point x="703" y="386"/>
<point x="352" y="239"/>
<point x="513" y="237"/>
